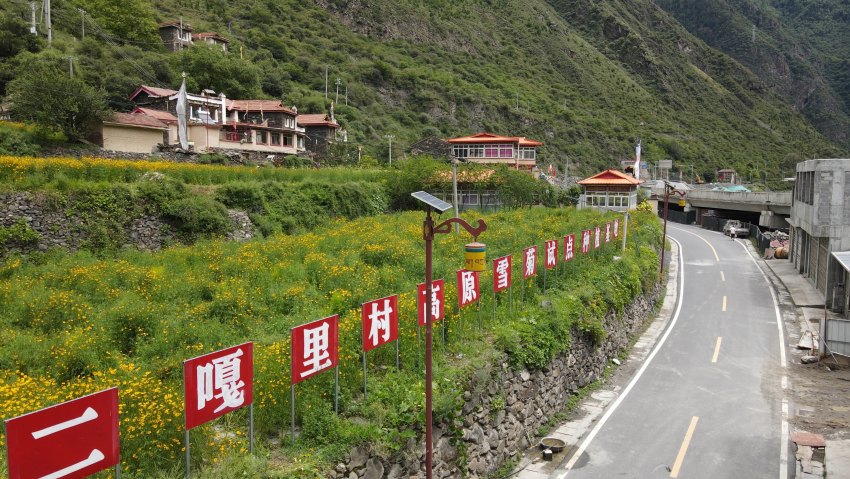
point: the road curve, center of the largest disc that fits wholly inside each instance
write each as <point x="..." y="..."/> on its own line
<point x="710" y="403"/>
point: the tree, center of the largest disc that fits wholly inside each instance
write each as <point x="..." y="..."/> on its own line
<point x="124" y="19"/>
<point x="209" y="67"/>
<point x="46" y="95"/>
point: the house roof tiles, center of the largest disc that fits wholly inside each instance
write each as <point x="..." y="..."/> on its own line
<point x="610" y="177"/>
<point x="492" y="138"/>
<point x="316" y="119"/>
<point x="161" y="115"/>
<point x="259" y="105"/>
<point x="136" y="119"/>
<point x="213" y="35"/>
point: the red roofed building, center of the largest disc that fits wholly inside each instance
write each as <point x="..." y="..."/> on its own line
<point x="610" y="190"/>
<point x="211" y="38"/>
<point x="320" y="130"/>
<point x="487" y="148"/>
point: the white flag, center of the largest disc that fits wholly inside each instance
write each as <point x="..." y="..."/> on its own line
<point x="181" y="116"/>
<point x="637" y="161"/>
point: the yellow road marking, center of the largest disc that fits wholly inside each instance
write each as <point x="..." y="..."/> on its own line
<point x="716" y="350"/>
<point x="682" y="450"/>
<point x="722" y="276"/>
<point x="724" y="302"/>
<point x="716" y="256"/>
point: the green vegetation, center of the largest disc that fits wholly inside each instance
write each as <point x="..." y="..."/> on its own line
<point x="132" y="318"/>
<point x="587" y="78"/>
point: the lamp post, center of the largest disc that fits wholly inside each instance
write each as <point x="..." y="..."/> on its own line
<point x="428" y="232"/>
<point x="668" y="189"/>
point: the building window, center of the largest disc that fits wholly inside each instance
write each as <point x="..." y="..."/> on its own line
<point x="275" y="138"/>
<point x="527" y="153"/>
<point x="262" y="137"/>
<point x="287" y="140"/>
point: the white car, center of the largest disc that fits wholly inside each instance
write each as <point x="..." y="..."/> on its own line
<point x="734" y="229"/>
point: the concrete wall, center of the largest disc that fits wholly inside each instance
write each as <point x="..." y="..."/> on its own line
<point x="131" y="139"/>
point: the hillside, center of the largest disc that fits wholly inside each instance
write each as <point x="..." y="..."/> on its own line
<point x="799" y="49"/>
<point x="587" y="78"/>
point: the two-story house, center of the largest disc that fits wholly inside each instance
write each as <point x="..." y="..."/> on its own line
<point x="175" y="35"/>
<point x="216" y="122"/>
<point x="486" y="148"/>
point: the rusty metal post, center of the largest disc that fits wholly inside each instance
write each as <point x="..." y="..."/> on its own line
<point x="664" y="234"/>
<point x="428" y="236"/>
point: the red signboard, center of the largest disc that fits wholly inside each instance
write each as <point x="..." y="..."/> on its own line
<point x="617" y="228"/>
<point x="585" y="241"/>
<point x="380" y="322"/>
<point x="468" y="287"/>
<point x="501" y="273"/>
<point x="438" y="295"/>
<point x="569" y="247"/>
<point x="314" y="348"/>
<point x="217" y="383"/>
<point x="597" y="238"/>
<point x="529" y="267"/>
<point x="551" y="254"/>
<point x="607" y="232"/>
<point x="71" y="440"/>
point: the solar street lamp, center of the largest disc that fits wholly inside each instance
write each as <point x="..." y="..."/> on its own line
<point x="433" y="203"/>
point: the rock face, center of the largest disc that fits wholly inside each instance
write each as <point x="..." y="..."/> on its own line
<point x="59" y="228"/>
<point x="502" y="413"/>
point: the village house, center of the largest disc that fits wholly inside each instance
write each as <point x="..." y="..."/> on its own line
<point x="133" y="133"/>
<point x="216" y="122"/>
<point x="486" y="148"/>
<point x="211" y="38"/>
<point x="320" y="131"/>
<point x="610" y="190"/>
<point x="175" y="35"/>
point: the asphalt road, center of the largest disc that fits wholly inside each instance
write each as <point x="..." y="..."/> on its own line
<point x="708" y="402"/>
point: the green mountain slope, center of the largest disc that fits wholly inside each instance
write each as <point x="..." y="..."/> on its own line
<point x="586" y="77"/>
<point x="799" y="49"/>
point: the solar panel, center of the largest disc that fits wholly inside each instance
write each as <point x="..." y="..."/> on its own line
<point x="432" y="201"/>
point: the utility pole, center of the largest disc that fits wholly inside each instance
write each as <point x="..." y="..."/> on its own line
<point x="48" y="22"/>
<point x="326" y="82"/>
<point x="390" y="138"/>
<point x="32" y="22"/>
<point x="82" y="23"/>
<point x="71" y="66"/>
<point x="180" y="40"/>
<point x="337" y="89"/>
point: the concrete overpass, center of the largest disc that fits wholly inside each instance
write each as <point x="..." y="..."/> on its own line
<point x="773" y="207"/>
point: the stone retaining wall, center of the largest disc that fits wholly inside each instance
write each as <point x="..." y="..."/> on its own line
<point x="504" y="410"/>
<point x="57" y="228"/>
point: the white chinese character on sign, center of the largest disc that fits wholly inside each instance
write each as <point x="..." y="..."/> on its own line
<point x="607" y="232"/>
<point x="550" y="252"/>
<point x="597" y="238"/>
<point x="468" y="285"/>
<point x="380" y="322"/>
<point x="530" y="261"/>
<point x="569" y="248"/>
<point x="616" y="228"/>
<point x="316" y="355"/>
<point x="502" y="273"/>
<point x="585" y="241"/>
<point x="220" y="379"/>
<point x="435" y="301"/>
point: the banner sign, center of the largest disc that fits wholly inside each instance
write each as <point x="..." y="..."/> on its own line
<point x="71" y="440"/>
<point x="314" y="348"/>
<point x="218" y="383"/>
<point x="551" y="254"/>
<point x="529" y="268"/>
<point x="597" y="240"/>
<point x="438" y="301"/>
<point x="501" y="273"/>
<point x="468" y="287"/>
<point x="585" y="241"/>
<point x="569" y="247"/>
<point x="380" y="322"/>
<point x="617" y="228"/>
<point x="607" y="232"/>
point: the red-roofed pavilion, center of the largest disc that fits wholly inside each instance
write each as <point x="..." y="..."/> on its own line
<point x="609" y="190"/>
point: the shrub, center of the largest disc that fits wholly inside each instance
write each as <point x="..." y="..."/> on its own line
<point x="197" y="217"/>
